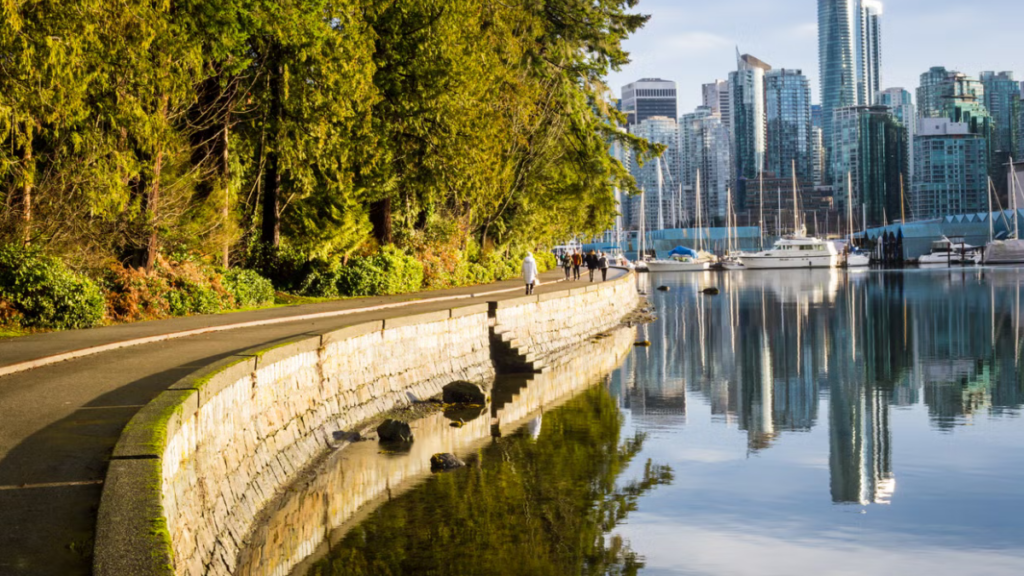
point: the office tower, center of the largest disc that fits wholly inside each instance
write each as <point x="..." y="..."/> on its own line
<point x="1020" y="126"/>
<point x="817" y="156"/>
<point x="952" y="172"/>
<point x="816" y="115"/>
<point x="647" y="98"/>
<point x="849" y="57"/>
<point x="901" y="105"/>
<point x="788" y="123"/>
<point x="704" y="147"/>
<point x="869" y="144"/>
<point x="717" y="97"/>
<point x="939" y="86"/>
<point x="1002" y="100"/>
<point x="748" y="122"/>
<point x="869" y="65"/>
<point x="658" y="209"/>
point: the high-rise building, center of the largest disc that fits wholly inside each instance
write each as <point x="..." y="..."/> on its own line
<point x="1020" y="127"/>
<point x="788" y="123"/>
<point x="748" y="121"/>
<point x="817" y="156"/>
<point x="901" y="105"/>
<point x="816" y="115"/>
<point x="649" y="97"/>
<point x="929" y="92"/>
<point x="704" y="149"/>
<point x="869" y="56"/>
<point x="849" y="57"/>
<point x="717" y="97"/>
<point x="1003" y="102"/>
<point x="952" y="174"/>
<point x="869" y="145"/>
<point x="658" y="178"/>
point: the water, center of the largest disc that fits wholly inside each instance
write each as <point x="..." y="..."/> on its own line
<point x="802" y="422"/>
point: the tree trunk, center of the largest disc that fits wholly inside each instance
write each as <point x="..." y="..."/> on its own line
<point x="28" y="175"/>
<point x="380" y="217"/>
<point x="271" y="229"/>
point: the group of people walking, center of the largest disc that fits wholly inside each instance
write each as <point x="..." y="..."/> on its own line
<point x="572" y="263"/>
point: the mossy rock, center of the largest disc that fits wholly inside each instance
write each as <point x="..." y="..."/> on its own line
<point x="445" y="462"/>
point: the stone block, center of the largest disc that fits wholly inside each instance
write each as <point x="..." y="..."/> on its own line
<point x="351" y="332"/>
<point x="416" y="320"/>
<point x="469" y="310"/>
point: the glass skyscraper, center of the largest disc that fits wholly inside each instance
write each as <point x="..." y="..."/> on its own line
<point x="869" y="145"/>
<point x="704" y="148"/>
<point x="952" y="174"/>
<point x="901" y="105"/>
<point x="1002" y="99"/>
<point x="658" y="211"/>
<point x="849" y="58"/>
<point x="649" y="97"/>
<point x="748" y="122"/>
<point x="788" y="118"/>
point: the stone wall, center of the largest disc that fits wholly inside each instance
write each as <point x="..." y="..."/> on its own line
<point x="195" y="469"/>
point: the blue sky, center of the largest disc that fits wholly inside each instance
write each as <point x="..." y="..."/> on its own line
<point x="694" y="41"/>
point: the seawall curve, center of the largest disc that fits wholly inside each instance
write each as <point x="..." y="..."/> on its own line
<point x="194" y="469"/>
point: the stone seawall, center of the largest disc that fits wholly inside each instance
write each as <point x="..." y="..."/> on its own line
<point x="195" y="469"/>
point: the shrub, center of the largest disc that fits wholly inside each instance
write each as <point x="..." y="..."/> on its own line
<point x="134" y="295"/>
<point x="390" y="271"/>
<point x="248" y="288"/>
<point x="287" y="268"/>
<point x="546" y="261"/>
<point x="46" y="293"/>
<point x="322" y="280"/>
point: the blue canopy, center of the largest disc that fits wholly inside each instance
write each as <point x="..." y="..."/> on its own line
<point x="682" y="251"/>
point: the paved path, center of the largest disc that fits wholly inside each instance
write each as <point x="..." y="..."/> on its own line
<point x="59" y="423"/>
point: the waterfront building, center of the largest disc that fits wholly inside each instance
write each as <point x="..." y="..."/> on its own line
<point x="901" y="105"/>
<point x="658" y="212"/>
<point x="869" y="144"/>
<point x="788" y="123"/>
<point x="704" y="149"/>
<point x="849" y="58"/>
<point x="929" y="92"/>
<point x="748" y="121"/>
<point x="1003" y="102"/>
<point x="717" y="97"/>
<point x="951" y="168"/>
<point x="647" y="98"/>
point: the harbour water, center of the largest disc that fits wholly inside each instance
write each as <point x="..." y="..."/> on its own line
<point x="801" y="422"/>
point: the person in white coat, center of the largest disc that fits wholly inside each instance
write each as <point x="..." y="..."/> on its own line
<point x="530" y="273"/>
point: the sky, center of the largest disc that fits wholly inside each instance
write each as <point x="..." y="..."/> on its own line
<point x="694" y="41"/>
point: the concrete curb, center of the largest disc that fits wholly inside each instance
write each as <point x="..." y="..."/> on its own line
<point x="131" y="528"/>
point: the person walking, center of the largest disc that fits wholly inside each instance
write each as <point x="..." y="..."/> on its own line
<point x="577" y="262"/>
<point x="602" y="263"/>
<point x="530" y="272"/>
<point x="592" y="264"/>
<point x="567" y="264"/>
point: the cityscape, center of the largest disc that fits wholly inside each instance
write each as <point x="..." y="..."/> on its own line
<point x="886" y="154"/>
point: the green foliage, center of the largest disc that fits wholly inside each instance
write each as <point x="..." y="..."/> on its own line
<point x="45" y="293"/>
<point x="391" y="271"/>
<point x="526" y="507"/>
<point x="248" y="288"/>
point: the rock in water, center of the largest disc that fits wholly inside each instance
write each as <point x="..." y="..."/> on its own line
<point x="464" y="393"/>
<point x="663" y="288"/>
<point x="442" y="462"/>
<point x="712" y="291"/>
<point x="394" y="431"/>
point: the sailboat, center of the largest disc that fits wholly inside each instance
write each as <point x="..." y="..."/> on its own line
<point x="855" y="258"/>
<point x="1010" y="251"/>
<point x="641" y="256"/>
<point x="796" y="250"/>
<point x="683" y="259"/>
<point x="731" y="260"/>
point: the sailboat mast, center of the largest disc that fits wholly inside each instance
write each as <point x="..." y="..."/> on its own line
<point x="1013" y="192"/>
<point x="728" y="224"/>
<point x="796" y="208"/>
<point x="903" y="214"/>
<point x="661" y="205"/>
<point x="991" y="224"/>
<point x="760" y="189"/>
<point x="700" y="227"/>
<point x="643" y="219"/>
<point x="849" y="202"/>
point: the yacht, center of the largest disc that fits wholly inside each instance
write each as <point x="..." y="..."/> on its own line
<point x="950" y="252"/>
<point x="1011" y="250"/>
<point x="795" y="251"/>
<point x="678" y="264"/>
<point x="858" y="259"/>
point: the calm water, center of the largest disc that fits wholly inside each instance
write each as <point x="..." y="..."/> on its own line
<point x="803" y="422"/>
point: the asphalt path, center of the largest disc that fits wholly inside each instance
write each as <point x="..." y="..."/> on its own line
<point x="59" y="422"/>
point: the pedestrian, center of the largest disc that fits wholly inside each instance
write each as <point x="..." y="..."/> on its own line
<point x="602" y="263"/>
<point x="577" y="262"/>
<point x="592" y="264"/>
<point x="567" y="264"/>
<point x="530" y="273"/>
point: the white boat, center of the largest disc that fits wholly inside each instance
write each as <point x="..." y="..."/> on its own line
<point x="858" y="259"/>
<point x="794" y="252"/>
<point x="950" y="252"/>
<point x="1010" y="251"/>
<point x="678" y="264"/>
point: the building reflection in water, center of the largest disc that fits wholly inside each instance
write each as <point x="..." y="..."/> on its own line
<point x="774" y="346"/>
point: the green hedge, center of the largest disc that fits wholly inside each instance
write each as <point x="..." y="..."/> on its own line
<point x="390" y="271"/>
<point x="248" y="288"/>
<point x="46" y="292"/>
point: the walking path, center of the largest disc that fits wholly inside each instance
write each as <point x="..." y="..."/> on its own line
<point x="67" y="396"/>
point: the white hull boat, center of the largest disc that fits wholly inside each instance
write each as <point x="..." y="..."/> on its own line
<point x="1004" y="252"/>
<point x="950" y="252"/>
<point x="794" y="252"/>
<point x="677" y="266"/>
<point x="856" y="260"/>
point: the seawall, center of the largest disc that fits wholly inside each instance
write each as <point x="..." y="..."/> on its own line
<point x="195" y="469"/>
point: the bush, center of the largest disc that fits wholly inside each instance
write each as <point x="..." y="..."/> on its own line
<point x="134" y="295"/>
<point x="46" y="293"/>
<point x="287" y="268"/>
<point x="546" y="261"/>
<point x="390" y="271"/>
<point x="322" y="280"/>
<point x="248" y="288"/>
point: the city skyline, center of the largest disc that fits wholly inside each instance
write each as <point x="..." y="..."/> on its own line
<point x="694" y="45"/>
